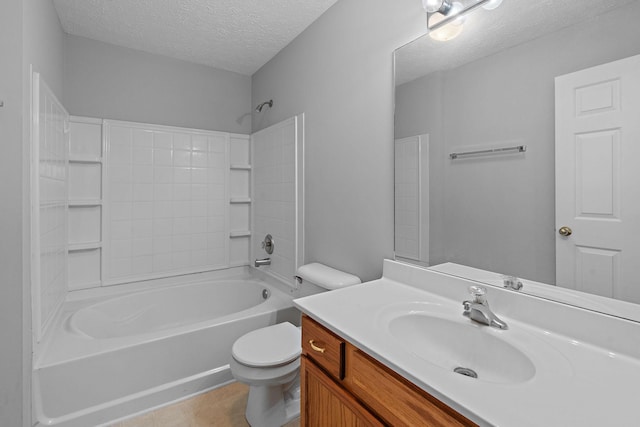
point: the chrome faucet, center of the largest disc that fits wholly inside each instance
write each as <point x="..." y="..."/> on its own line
<point x="264" y="261"/>
<point x="479" y="311"/>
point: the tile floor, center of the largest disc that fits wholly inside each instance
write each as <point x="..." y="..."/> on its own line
<point x="222" y="407"/>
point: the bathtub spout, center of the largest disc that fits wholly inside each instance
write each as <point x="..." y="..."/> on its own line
<point x="265" y="261"/>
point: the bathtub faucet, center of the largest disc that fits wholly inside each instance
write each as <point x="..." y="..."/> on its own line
<point x="265" y="261"/>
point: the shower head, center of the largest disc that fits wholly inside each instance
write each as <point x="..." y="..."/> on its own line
<point x="261" y="106"/>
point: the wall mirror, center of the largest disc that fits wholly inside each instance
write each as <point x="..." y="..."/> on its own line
<point x="492" y="92"/>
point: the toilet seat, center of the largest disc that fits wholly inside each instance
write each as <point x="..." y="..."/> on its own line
<point x="265" y="376"/>
<point x="272" y="346"/>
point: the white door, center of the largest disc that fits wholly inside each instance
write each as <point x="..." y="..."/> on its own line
<point x="598" y="180"/>
<point x="412" y="198"/>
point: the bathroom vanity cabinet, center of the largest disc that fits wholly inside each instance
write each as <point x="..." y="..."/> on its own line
<point x="343" y="386"/>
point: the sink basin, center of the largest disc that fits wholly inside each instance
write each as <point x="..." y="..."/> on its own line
<point x="461" y="346"/>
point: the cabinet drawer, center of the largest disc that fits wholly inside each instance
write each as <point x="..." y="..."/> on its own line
<point x="323" y="346"/>
<point x="397" y="401"/>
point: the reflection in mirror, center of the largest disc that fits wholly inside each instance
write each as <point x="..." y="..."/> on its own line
<point x="498" y="85"/>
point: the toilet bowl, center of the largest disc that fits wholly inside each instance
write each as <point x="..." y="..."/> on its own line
<point x="268" y="359"/>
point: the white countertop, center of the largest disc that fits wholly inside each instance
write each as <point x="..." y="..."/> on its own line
<point x="576" y="383"/>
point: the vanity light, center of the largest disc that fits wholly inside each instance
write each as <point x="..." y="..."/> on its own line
<point x="433" y="6"/>
<point x="445" y="18"/>
<point x="448" y="31"/>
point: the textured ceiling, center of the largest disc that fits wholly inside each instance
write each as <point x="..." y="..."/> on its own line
<point x="234" y="35"/>
<point x="488" y="32"/>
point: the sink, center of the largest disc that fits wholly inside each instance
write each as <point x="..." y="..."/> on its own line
<point x="462" y="347"/>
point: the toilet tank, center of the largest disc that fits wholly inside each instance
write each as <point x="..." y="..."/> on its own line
<point x="326" y="277"/>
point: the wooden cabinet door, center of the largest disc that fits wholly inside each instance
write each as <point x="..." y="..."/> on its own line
<point x="325" y="403"/>
<point x="394" y="399"/>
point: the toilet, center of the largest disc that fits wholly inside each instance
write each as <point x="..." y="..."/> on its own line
<point x="268" y="359"/>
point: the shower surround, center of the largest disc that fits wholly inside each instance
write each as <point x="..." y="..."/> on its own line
<point x="126" y="207"/>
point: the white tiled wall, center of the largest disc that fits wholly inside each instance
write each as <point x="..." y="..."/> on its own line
<point x="49" y="204"/>
<point x="409" y="200"/>
<point x="277" y="154"/>
<point x="166" y="201"/>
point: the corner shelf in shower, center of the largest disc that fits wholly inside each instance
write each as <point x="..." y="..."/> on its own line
<point x="240" y="200"/>
<point x="239" y="224"/>
<point x="84" y="244"/>
<point x="84" y="158"/>
<point x="84" y="203"/>
<point x="240" y="167"/>
<point x="88" y="246"/>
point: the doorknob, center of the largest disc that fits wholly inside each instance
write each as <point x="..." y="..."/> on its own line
<point x="565" y="231"/>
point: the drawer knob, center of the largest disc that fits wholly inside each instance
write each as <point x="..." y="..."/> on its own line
<point x="315" y="347"/>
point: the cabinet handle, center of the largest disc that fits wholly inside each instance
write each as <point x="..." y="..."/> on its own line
<point x="316" y="348"/>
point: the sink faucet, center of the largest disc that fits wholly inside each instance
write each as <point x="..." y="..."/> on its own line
<point x="479" y="310"/>
<point x="265" y="261"/>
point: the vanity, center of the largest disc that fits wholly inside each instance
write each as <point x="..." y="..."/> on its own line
<point x="341" y="382"/>
<point x="398" y="351"/>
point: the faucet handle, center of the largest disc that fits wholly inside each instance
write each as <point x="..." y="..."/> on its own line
<point x="478" y="293"/>
<point x="511" y="282"/>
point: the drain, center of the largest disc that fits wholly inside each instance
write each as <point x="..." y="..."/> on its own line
<point x="466" y="372"/>
<point x="265" y="293"/>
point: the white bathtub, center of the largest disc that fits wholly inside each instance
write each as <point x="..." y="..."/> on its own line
<point x="109" y="357"/>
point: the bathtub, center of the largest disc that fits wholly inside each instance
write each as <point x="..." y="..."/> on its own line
<point x="108" y="357"/>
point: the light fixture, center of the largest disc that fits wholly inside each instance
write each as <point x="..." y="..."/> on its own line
<point x="449" y="31"/>
<point x="437" y="6"/>
<point x="445" y="18"/>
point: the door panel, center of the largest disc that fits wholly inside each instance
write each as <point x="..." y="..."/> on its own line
<point x="597" y="180"/>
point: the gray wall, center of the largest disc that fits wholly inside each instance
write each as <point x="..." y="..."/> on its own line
<point x="107" y="81"/>
<point x="11" y="288"/>
<point x="499" y="212"/>
<point x="43" y="50"/>
<point x="418" y="111"/>
<point x="43" y="42"/>
<point x="29" y="34"/>
<point x="339" y="73"/>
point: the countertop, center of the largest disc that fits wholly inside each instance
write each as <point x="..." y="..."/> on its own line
<point x="576" y="383"/>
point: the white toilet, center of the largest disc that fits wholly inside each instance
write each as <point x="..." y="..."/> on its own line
<point x="268" y="359"/>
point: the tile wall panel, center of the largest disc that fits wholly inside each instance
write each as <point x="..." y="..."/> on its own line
<point x="166" y="201"/>
<point x="50" y="205"/>
<point x="274" y="196"/>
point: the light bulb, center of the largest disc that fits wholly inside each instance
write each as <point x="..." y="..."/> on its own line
<point x="431" y="6"/>
<point x="492" y="4"/>
<point x="448" y="32"/>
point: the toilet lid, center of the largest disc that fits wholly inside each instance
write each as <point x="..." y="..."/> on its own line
<point x="271" y="346"/>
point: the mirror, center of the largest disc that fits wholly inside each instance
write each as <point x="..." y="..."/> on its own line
<point x="492" y="88"/>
